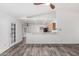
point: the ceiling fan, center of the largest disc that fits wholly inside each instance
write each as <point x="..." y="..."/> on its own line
<point x="51" y="5"/>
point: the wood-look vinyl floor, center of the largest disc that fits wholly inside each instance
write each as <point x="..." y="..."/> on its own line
<point x="52" y="50"/>
<point x="42" y="50"/>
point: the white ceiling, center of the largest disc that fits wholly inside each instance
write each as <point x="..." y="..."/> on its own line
<point x="28" y="9"/>
<point x="24" y="9"/>
<point x="70" y="7"/>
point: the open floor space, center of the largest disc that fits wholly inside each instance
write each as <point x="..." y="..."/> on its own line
<point x="22" y="49"/>
<point x="39" y="29"/>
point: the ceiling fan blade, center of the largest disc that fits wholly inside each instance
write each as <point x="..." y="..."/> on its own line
<point x="38" y="3"/>
<point x="52" y="6"/>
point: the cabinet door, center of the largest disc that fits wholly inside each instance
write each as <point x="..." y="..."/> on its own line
<point x="52" y="26"/>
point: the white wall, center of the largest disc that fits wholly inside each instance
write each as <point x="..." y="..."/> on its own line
<point x="68" y="21"/>
<point x="5" y="31"/>
<point x="19" y="30"/>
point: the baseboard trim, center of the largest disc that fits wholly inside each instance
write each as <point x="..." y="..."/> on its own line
<point x="12" y="47"/>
